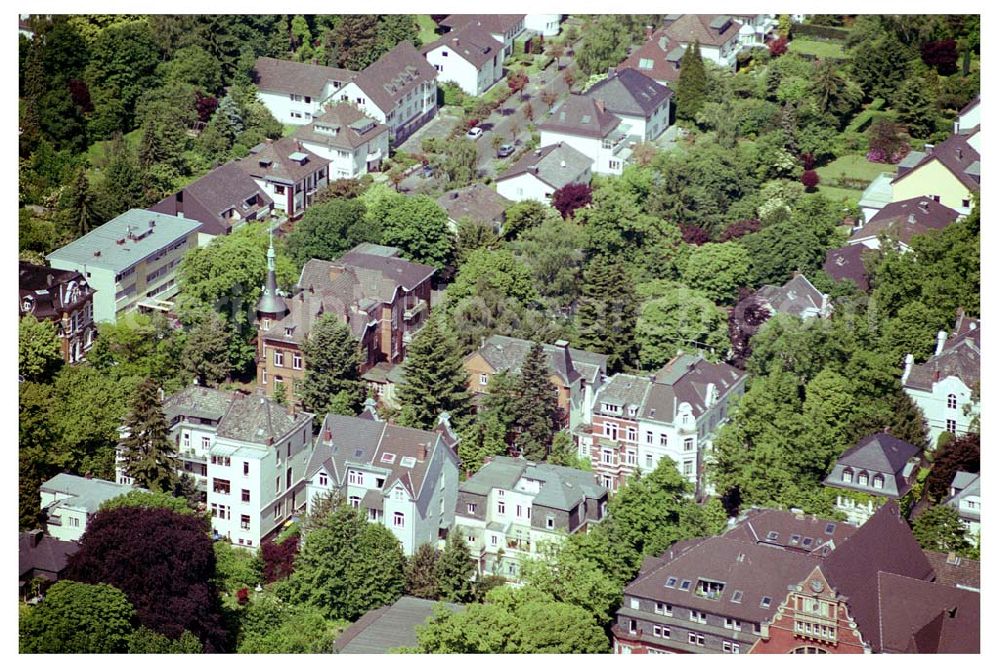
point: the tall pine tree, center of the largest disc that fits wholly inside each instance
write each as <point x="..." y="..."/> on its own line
<point x="147" y="450"/>
<point x="331" y="357"/>
<point x="692" y="85"/>
<point x="454" y="570"/>
<point x="435" y="380"/>
<point x="537" y="406"/>
<point x="609" y="310"/>
<point x="420" y="579"/>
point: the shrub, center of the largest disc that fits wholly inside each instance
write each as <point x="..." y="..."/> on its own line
<point x="810" y="179"/>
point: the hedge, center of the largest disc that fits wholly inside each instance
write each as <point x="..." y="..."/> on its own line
<point x="820" y="31"/>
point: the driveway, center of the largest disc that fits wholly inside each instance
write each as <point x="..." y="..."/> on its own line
<point x="439" y="127"/>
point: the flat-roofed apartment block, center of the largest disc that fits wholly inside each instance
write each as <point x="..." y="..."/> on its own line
<point x="130" y="260"/>
<point x="246" y="453"/>
<point x="68" y="502"/>
<point x="512" y="506"/>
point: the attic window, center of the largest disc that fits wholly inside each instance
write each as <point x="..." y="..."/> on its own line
<point x="737" y="596"/>
<point x="612" y="409"/>
<point x="765" y="602"/>
<point x="807" y="542"/>
<point x="795" y="539"/>
<point x="632" y="409"/>
<point x="585" y="120"/>
<point x="358" y="453"/>
<point x="388" y="458"/>
<point x="772" y="536"/>
<point x="408" y="461"/>
<point x="685" y="585"/>
<point x="288" y="331"/>
<point x="830" y="527"/>
<point x="671" y="582"/>
<point x="645" y="63"/>
<point x="710" y="589"/>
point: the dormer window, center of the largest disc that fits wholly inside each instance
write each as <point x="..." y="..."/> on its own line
<point x="632" y="409"/>
<point x="288" y="331"/>
<point x="611" y="409"/>
<point x="710" y="589"/>
<point x="862" y="478"/>
<point x="878" y="481"/>
<point x="847" y="476"/>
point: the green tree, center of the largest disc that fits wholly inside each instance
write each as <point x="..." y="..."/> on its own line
<point x="348" y="566"/>
<point x="536" y="407"/>
<point x="123" y="186"/>
<point x="151" y="500"/>
<point x="330" y="229"/>
<point x="421" y="579"/>
<point x="235" y="567"/>
<point x="194" y="66"/>
<point x="682" y="319"/>
<point x="608" y="312"/>
<point x="39" y="354"/>
<point x="718" y="270"/>
<point x="291" y="630"/>
<point x="939" y="528"/>
<point x="435" y="379"/>
<point x="473" y="235"/>
<point x="416" y="225"/>
<point x="457" y="161"/>
<point x="122" y="65"/>
<point x="77" y="617"/>
<point x="148" y="454"/>
<point x="604" y="45"/>
<point x="80" y="204"/>
<point x="485" y="436"/>
<point x="454" y="569"/>
<point x="878" y="65"/>
<point x="551" y="251"/>
<point x="206" y="350"/>
<point x="332" y="358"/>
<point x="915" y="107"/>
<point x="147" y="641"/>
<point x="498" y="270"/>
<point x="568" y="574"/>
<point x="692" y="85"/>
<point x="525" y="215"/>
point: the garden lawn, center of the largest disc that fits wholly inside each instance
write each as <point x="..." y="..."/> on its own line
<point x="850" y="197"/>
<point x="818" y="48"/>
<point x="852" y="166"/>
<point x="426" y="25"/>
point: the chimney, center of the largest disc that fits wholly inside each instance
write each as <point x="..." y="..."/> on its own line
<point x="36" y="536"/>
<point x="958" y="153"/>
<point x="907" y="367"/>
<point x="941" y="338"/>
<point x="649" y="32"/>
<point x="422" y="452"/>
<point x="599" y="103"/>
<point x="567" y="359"/>
<point x="335" y="270"/>
<point x="327" y="435"/>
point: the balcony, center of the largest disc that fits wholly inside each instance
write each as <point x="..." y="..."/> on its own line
<point x="413" y="311"/>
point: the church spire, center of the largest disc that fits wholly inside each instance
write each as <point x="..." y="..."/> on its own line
<point x="270" y="302"/>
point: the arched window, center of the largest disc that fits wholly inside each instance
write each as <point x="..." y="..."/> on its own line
<point x="952" y="401"/>
<point x="878" y="481"/>
<point x="862" y="478"/>
<point x="809" y="650"/>
<point x="847" y="476"/>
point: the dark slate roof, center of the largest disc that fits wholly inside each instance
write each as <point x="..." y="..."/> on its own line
<point x="562" y="488"/>
<point x="272" y="161"/>
<point x="794" y="297"/>
<point x="471" y="41"/>
<point x="883" y="544"/>
<point x="756" y="570"/>
<point x="383" y="629"/>
<point x="792" y="531"/>
<point x="916" y="616"/>
<point x="406" y="274"/>
<point x="847" y="263"/>
<point x="960" y="358"/>
<point x="351" y="439"/>
<point x="686" y="378"/>
<point x="38" y="552"/>
<point x="506" y="353"/>
<point x="954" y="570"/>
<point x="256" y="418"/>
<point x="391" y="78"/>
<point x="476" y="201"/>
<point x="702" y="28"/>
<point x="224" y="188"/>
<point x="957" y="155"/>
<point x="556" y="165"/>
<point x="880" y="453"/>
<point x="494" y="23"/>
<point x="623" y="390"/>
<point x="902" y="220"/>
<point x="47" y="289"/>
<point x="580" y="115"/>
<point x="198" y="402"/>
<point x="341" y="125"/>
<point x="273" y="75"/>
<point x="658" y="57"/>
<point x="630" y="92"/>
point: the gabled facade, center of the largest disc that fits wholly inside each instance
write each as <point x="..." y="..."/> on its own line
<point x="659" y="58"/>
<point x="287" y="173"/>
<point x="585" y="124"/>
<point x="511" y="507"/>
<point x="69" y="501"/>
<point x="879" y="466"/>
<point x="642" y="104"/>
<point x="130" y="261"/>
<point x="538" y="174"/>
<point x="576" y="374"/>
<point x="966" y="498"/>
<point x="222" y="200"/>
<point x="676" y="412"/>
<point x="469" y="57"/>
<point x="945" y="386"/>
<point x="383" y="299"/>
<point x="756" y="30"/>
<point x="63" y="298"/>
<point x="900" y="221"/>
<point x="502" y="27"/>
<point x="947" y="173"/>
<point x="295" y="92"/>
<point x="403" y="478"/>
<point x="353" y="143"/>
<point x="398" y="90"/>
<point x="247" y="453"/>
<point x="969" y="117"/>
<point x="797" y="297"/>
<point x="718" y="36"/>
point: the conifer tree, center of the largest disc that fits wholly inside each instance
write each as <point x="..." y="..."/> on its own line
<point x="331" y="357"/>
<point x="454" y="569"/>
<point x="420" y="577"/>
<point x="537" y="406"/>
<point x="692" y="85"/>
<point x="915" y="105"/>
<point x="81" y="203"/>
<point x="485" y="437"/>
<point x="609" y="310"/>
<point x="435" y="380"/>
<point x="147" y="450"/>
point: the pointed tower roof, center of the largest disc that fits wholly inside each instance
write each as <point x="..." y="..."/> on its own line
<point x="270" y="302"/>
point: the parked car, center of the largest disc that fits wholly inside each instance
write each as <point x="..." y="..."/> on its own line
<point x="474" y="132"/>
<point x="505" y="150"/>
